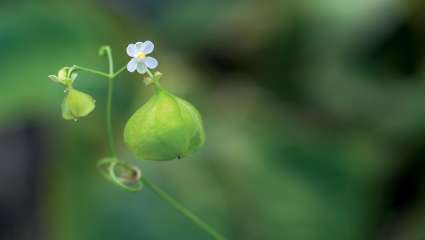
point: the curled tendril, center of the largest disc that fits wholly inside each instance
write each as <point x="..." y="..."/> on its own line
<point x="103" y="50"/>
<point x="122" y="174"/>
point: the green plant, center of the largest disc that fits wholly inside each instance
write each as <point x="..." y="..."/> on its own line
<point x="166" y="127"/>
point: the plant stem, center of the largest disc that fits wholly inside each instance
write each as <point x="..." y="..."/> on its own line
<point x="111" y="76"/>
<point x="119" y="71"/>
<point x="185" y="212"/>
<point x="91" y="71"/>
<point x="108" y="117"/>
<point x="149" y="73"/>
<point x="110" y="61"/>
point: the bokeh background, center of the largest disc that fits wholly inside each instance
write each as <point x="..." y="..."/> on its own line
<point x="314" y="113"/>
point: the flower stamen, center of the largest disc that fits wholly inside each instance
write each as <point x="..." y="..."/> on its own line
<point x="141" y="55"/>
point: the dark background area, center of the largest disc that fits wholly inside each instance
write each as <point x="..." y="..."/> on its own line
<point x="314" y="115"/>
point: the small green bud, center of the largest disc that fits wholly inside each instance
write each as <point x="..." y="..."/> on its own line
<point x="148" y="80"/>
<point x="76" y="104"/>
<point x="164" y="128"/>
<point x="63" y="74"/>
<point x="63" y="78"/>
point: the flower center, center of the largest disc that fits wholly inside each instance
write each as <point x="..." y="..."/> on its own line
<point x="141" y="56"/>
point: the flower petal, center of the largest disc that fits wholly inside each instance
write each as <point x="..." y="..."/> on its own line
<point x="147" y="47"/>
<point x="151" y="62"/>
<point x="141" y="68"/>
<point x="139" y="47"/>
<point x="132" y="65"/>
<point x="131" y="50"/>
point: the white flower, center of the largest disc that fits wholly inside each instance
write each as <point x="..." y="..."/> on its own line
<point x="140" y="61"/>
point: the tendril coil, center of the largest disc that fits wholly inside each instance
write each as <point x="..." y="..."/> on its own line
<point x="120" y="173"/>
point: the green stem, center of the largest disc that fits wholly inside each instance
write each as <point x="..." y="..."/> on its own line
<point x="110" y="61"/>
<point x="111" y="76"/>
<point x="91" y="71"/>
<point x="149" y="73"/>
<point x="185" y="212"/>
<point x="119" y="71"/>
<point x="107" y="49"/>
<point x="109" y="116"/>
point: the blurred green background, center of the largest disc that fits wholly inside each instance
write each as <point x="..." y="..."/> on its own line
<point x="314" y="114"/>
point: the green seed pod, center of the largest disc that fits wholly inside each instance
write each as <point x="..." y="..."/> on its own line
<point x="76" y="104"/>
<point x="164" y="128"/>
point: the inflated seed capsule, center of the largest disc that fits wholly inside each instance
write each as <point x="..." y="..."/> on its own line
<point x="164" y="128"/>
<point x="76" y="104"/>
